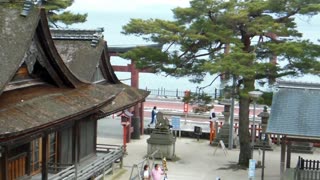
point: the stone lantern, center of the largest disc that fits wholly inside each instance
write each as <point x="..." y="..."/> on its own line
<point x="224" y="131"/>
<point x="264" y="115"/>
<point x="226" y="111"/>
<point x="264" y="119"/>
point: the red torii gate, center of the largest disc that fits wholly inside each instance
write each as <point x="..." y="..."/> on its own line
<point x="138" y="109"/>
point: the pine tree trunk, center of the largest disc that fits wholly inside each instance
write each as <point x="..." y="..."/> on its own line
<point x="244" y="135"/>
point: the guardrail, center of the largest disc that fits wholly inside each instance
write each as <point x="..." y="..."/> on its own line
<point x="216" y="93"/>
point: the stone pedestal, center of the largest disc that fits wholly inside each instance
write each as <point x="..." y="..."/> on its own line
<point x="165" y="142"/>
<point x="162" y="139"/>
<point x="223" y="135"/>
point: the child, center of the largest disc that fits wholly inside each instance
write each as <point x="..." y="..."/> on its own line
<point x="146" y="174"/>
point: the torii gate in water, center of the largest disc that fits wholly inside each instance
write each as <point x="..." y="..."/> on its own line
<point x="138" y="109"/>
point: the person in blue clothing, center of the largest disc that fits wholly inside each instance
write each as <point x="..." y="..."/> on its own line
<point x="153" y="115"/>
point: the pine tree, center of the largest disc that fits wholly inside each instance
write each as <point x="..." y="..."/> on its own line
<point x="57" y="13"/>
<point x="249" y="39"/>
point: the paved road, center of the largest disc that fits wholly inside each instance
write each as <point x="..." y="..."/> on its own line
<point x="196" y="160"/>
<point x="176" y="105"/>
<point x="110" y="126"/>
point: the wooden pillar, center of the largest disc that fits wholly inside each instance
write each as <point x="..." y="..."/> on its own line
<point x="134" y="75"/>
<point x="95" y="132"/>
<point x="124" y="137"/>
<point x="75" y="146"/>
<point x="28" y="159"/>
<point x="129" y="130"/>
<point x="135" y="84"/>
<point x="4" y="163"/>
<point x="142" y="118"/>
<point x="288" y="154"/>
<point x="283" y="156"/>
<point x="44" y="168"/>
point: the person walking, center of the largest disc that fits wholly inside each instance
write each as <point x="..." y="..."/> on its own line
<point x="157" y="172"/>
<point x="153" y="115"/>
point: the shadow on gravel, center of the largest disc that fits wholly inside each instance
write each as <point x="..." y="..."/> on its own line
<point x="232" y="166"/>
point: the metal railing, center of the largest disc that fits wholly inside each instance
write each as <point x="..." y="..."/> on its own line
<point x="97" y="168"/>
<point x="137" y="169"/>
<point x="216" y="93"/>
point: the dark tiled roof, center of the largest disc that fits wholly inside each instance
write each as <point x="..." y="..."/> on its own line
<point x="295" y="110"/>
<point x="80" y="57"/>
<point x="83" y="60"/>
<point x="127" y="98"/>
<point x="123" y="49"/>
<point x="76" y="34"/>
<point x="16" y="33"/>
<point x="62" y="104"/>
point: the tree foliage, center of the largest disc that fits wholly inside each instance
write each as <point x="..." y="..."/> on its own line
<point x="250" y="39"/>
<point x="57" y="13"/>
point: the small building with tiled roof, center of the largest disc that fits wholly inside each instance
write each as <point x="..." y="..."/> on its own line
<point x="88" y="57"/>
<point x="48" y="114"/>
<point x="295" y="116"/>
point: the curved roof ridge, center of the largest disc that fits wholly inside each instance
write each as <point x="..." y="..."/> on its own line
<point x="54" y="56"/>
<point x="106" y="64"/>
<point x="298" y="84"/>
<point x="77" y="34"/>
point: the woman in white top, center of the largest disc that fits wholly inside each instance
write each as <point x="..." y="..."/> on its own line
<point x="146" y="174"/>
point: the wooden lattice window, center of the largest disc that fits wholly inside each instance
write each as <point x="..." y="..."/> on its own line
<point x="36" y="158"/>
<point x="52" y="149"/>
<point x="36" y="153"/>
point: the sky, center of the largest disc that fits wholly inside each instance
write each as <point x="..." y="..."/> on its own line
<point x="126" y="5"/>
<point x="113" y="14"/>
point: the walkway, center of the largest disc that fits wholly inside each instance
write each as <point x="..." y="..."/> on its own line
<point x="196" y="160"/>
